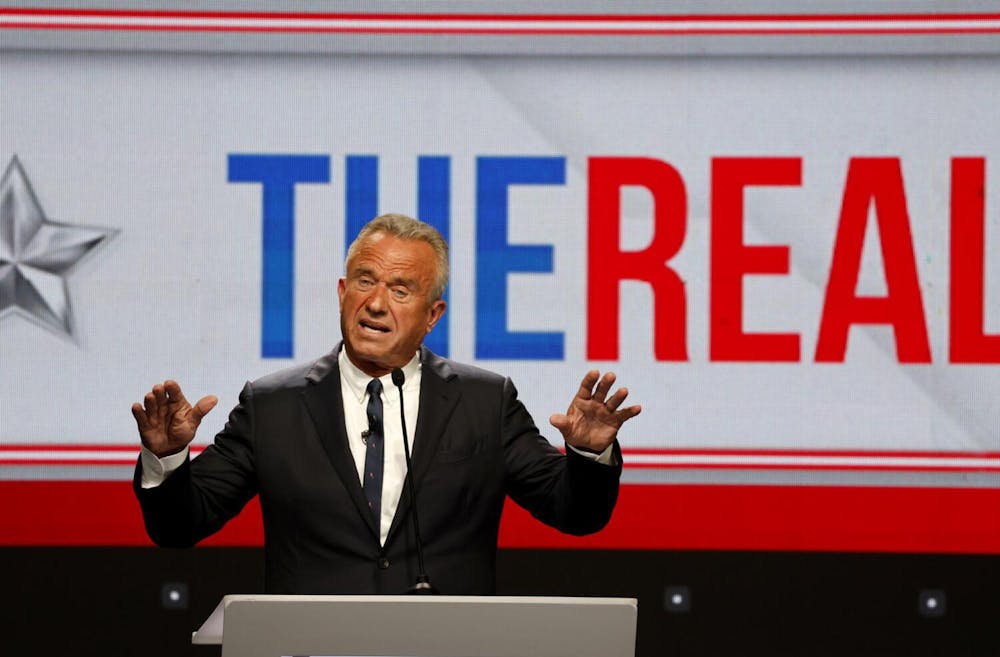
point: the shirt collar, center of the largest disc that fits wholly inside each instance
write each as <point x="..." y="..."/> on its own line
<point x="357" y="381"/>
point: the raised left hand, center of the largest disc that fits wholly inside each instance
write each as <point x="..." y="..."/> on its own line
<point x="593" y="419"/>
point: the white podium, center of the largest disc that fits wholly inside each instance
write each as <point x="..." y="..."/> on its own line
<point x="420" y="626"/>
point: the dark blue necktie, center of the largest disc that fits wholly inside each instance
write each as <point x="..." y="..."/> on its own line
<point x="374" y="452"/>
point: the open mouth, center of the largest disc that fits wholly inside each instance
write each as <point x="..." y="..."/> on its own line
<point x="373" y="327"/>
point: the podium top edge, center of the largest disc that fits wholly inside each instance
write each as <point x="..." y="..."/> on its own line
<point x="440" y="599"/>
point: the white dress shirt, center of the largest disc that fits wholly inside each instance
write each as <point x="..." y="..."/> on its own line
<point x="353" y="388"/>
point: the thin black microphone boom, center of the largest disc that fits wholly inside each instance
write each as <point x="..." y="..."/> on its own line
<point x="423" y="585"/>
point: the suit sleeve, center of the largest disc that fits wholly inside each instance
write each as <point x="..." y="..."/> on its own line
<point x="205" y="492"/>
<point x="572" y="493"/>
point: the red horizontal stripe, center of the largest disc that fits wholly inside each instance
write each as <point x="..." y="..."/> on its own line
<point x="694" y="465"/>
<point x="74" y="462"/>
<point x="805" y="518"/>
<point x="648" y="451"/>
<point x="634" y="466"/>
<point x="694" y="459"/>
<point x="77" y="447"/>
<point x="833" y="31"/>
<point x="684" y="451"/>
<point x="92" y="22"/>
<point x="93" y="513"/>
<point x="69" y="447"/>
<point x="127" y="13"/>
<point x="812" y="467"/>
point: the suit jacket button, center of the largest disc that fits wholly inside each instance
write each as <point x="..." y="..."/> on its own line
<point x="383" y="563"/>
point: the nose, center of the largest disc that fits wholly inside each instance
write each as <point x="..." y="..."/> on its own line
<point x="377" y="301"/>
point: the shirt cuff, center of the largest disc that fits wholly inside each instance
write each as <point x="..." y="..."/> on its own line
<point x="607" y="457"/>
<point x="156" y="470"/>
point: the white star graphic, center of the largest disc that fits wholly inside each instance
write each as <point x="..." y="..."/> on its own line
<point x="37" y="255"/>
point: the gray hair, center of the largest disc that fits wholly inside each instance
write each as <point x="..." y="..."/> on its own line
<point x="408" y="228"/>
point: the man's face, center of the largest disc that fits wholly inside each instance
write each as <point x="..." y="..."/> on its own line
<point x="385" y="304"/>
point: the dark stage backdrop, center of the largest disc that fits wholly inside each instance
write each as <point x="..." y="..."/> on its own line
<point x="778" y="229"/>
<point x="110" y="601"/>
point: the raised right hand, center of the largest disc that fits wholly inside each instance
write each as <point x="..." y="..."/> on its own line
<point x="166" y="421"/>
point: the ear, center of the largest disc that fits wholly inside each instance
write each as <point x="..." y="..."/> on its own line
<point x="341" y="290"/>
<point x="436" y="312"/>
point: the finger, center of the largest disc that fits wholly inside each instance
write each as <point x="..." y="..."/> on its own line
<point x="139" y="413"/>
<point x="603" y="386"/>
<point x="161" y="399"/>
<point x="626" y="414"/>
<point x="560" y="421"/>
<point x="174" y="394"/>
<point x="587" y="385"/>
<point x="204" y="405"/>
<point x="152" y="409"/>
<point x="615" y="400"/>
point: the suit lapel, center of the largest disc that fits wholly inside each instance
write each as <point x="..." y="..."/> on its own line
<point x="439" y="395"/>
<point x="325" y="403"/>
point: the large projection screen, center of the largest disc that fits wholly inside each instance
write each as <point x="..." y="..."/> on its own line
<point x="780" y="231"/>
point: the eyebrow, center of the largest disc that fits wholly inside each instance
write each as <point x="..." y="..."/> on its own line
<point x="410" y="283"/>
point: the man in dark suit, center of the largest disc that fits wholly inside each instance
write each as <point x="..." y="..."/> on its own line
<point x="321" y="445"/>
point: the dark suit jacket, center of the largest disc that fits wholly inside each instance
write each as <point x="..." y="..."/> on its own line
<point x="475" y="443"/>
